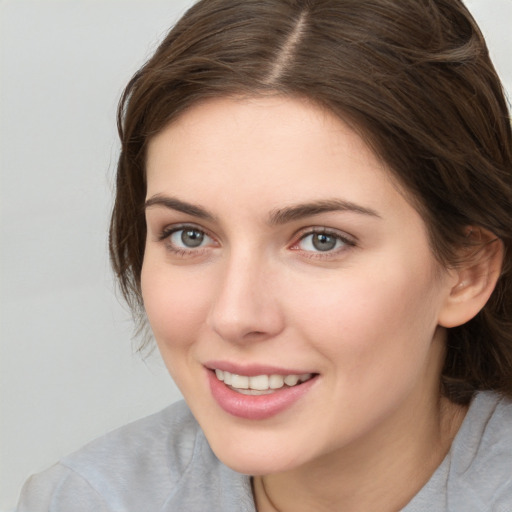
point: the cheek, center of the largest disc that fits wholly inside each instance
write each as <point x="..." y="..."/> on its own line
<point x="365" y="318"/>
<point x="176" y="304"/>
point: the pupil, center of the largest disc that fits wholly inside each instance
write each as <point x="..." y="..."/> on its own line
<point x="323" y="242"/>
<point x="192" y="237"/>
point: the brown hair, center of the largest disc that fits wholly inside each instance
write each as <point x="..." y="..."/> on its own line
<point x="413" y="77"/>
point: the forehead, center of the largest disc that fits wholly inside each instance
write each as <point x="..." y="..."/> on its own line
<point x="260" y="124"/>
<point x="269" y="151"/>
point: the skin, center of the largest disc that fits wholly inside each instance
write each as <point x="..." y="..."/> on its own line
<point x="364" y="316"/>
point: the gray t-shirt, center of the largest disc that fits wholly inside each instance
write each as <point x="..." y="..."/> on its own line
<point x="163" y="463"/>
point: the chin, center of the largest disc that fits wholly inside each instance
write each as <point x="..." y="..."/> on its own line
<point x="255" y="464"/>
<point x="260" y="457"/>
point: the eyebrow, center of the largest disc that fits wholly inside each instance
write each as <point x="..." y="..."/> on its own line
<point x="277" y="216"/>
<point x="296" y="212"/>
<point x="181" y="206"/>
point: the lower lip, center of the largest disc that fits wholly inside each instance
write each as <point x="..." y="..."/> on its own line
<point x="256" y="407"/>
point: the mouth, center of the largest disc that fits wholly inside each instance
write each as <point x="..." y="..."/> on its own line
<point x="260" y="384"/>
<point x="254" y="394"/>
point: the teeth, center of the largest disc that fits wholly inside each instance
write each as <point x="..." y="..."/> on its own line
<point x="276" y="381"/>
<point x="260" y="382"/>
<point x="291" y="380"/>
<point x="240" y="381"/>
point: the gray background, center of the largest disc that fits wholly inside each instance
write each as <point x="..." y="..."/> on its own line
<point x="68" y="371"/>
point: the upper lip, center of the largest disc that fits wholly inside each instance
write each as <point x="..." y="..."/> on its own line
<point x="252" y="370"/>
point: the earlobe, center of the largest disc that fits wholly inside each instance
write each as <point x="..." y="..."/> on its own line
<point x="475" y="277"/>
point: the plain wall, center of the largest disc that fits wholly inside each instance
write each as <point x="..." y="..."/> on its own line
<point x="67" y="365"/>
<point x="68" y="371"/>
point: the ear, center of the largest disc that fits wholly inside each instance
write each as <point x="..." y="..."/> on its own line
<point x="475" y="278"/>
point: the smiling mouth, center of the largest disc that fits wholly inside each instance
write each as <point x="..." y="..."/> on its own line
<point x="260" y="384"/>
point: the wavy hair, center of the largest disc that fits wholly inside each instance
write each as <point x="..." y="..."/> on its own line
<point x="412" y="77"/>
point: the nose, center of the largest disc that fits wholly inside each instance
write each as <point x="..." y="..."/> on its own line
<point x="245" y="305"/>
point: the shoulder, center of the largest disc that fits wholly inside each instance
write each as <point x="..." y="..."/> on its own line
<point x="482" y="456"/>
<point x="59" y="489"/>
<point x="476" y="475"/>
<point x="128" y="469"/>
<point x="486" y="433"/>
<point x="162" y="444"/>
<point x="480" y="469"/>
<point x="160" y="463"/>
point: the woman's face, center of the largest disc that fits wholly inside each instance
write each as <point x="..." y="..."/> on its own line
<point x="281" y="254"/>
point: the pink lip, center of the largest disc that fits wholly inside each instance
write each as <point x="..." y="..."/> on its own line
<point x="253" y="369"/>
<point x="256" y="407"/>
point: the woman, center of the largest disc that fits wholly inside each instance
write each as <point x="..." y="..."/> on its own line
<point x="314" y="213"/>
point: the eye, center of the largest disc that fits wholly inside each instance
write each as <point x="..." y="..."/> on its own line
<point x="186" y="239"/>
<point x="189" y="238"/>
<point x="320" y="242"/>
<point x="323" y="241"/>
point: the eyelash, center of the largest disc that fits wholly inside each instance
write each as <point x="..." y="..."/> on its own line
<point x="346" y="241"/>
